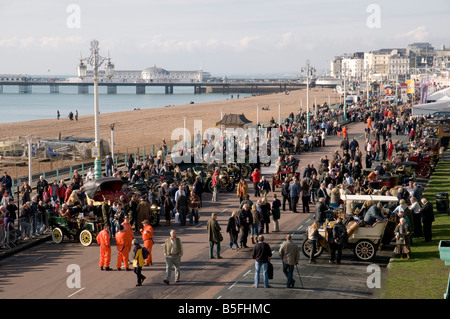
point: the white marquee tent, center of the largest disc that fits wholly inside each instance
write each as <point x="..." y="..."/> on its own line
<point x="430" y="108"/>
<point x="441" y="95"/>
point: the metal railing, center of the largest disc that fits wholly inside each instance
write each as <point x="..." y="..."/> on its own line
<point x="22" y="229"/>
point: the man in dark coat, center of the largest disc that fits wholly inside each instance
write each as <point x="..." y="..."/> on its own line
<point x="285" y="193"/>
<point x="427" y="218"/>
<point x="245" y="221"/>
<point x="214" y="236"/>
<point x="353" y="146"/>
<point x="320" y="211"/>
<point x="337" y="240"/>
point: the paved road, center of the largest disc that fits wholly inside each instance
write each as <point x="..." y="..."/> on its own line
<point x="46" y="271"/>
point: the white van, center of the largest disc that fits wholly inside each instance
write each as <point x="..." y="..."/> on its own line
<point x="352" y="99"/>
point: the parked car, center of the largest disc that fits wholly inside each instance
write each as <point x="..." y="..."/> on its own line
<point x="105" y="187"/>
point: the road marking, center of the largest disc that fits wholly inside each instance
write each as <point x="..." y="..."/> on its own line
<point x="39" y="258"/>
<point x="246" y="273"/>
<point x="232" y="285"/>
<point x="75" y="292"/>
<point x="314" y="277"/>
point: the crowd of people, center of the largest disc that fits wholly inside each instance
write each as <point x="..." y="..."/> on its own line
<point x="181" y="199"/>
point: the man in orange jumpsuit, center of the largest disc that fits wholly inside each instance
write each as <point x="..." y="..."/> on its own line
<point x="369" y="123"/>
<point x="147" y="237"/>
<point x="105" y="248"/>
<point x="129" y="233"/>
<point x="344" y="132"/>
<point x="122" y="250"/>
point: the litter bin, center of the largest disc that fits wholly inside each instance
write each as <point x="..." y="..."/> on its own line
<point x="442" y="202"/>
<point x="444" y="252"/>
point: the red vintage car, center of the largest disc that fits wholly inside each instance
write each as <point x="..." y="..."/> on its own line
<point x="279" y="177"/>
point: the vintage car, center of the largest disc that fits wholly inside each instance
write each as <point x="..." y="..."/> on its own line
<point x="366" y="240"/>
<point x="82" y="228"/>
<point x="279" y="177"/>
<point x="110" y="188"/>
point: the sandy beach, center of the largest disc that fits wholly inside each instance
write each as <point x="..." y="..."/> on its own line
<point x="146" y="127"/>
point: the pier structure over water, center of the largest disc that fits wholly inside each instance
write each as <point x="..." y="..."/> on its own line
<point x="229" y="86"/>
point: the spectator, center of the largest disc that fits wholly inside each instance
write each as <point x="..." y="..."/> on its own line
<point x="109" y="162"/>
<point x="245" y="222"/>
<point x="173" y="251"/>
<point x="417" y="218"/>
<point x="265" y="213"/>
<point x="138" y="262"/>
<point x="402" y="232"/>
<point x="256" y="177"/>
<point x="215" y="184"/>
<point x="214" y="236"/>
<point x="182" y="207"/>
<point x="427" y="219"/>
<point x="313" y="238"/>
<point x="233" y="230"/>
<point x="26" y="191"/>
<point x="6" y="181"/>
<point x="276" y="214"/>
<point x="194" y="204"/>
<point x="338" y="239"/>
<point x="262" y="254"/>
<point x="294" y="193"/>
<point x="285" y="194"/>
<point x="289" y="254"/>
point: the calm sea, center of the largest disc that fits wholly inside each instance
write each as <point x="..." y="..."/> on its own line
<point x="40" y="104"/>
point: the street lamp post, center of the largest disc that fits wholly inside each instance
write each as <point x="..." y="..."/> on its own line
<point x="310" y="71"/>
<point x="344" y="71"/>
<point x="95" y="60"/>
<point x="368" y="85"/>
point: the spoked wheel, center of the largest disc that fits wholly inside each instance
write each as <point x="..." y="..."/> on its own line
<point x="230" y="187"/>
<point x="86" y="238"/>
<point x="245" y="171"/>
<point x="424" y="171"/>
<point x="307" y="247"/>
<point x="57" y="235"/>
<point x="365" y="250"/>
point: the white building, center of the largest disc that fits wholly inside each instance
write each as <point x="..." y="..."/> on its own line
<point x="152" y="74"/>
<point x="398" y="64"/>
<point x="385" y="64"/>
<point x="353" y="67"/>
<point x="156" y="74"/>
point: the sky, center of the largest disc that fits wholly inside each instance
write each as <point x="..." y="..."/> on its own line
<point x="223" y="37"/>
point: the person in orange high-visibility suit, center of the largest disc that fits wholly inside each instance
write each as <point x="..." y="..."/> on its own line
<point x="369" y="123"/>
<point x="147" y="237"/>
<point x="122" y="250"/>
<point x="129" y="233"/>
<point x="344" y="132"/>
<point x="105" y="248"/>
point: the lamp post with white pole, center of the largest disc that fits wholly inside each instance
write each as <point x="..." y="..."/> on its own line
<point x="310" y="72"/>
<point x="344" y="72"/>
<point x="95" y="60"/>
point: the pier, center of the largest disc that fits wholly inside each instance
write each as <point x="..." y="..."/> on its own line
<point x="25" y="86"/>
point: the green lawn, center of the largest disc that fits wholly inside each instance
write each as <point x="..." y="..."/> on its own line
<point x="425" y="275"/>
